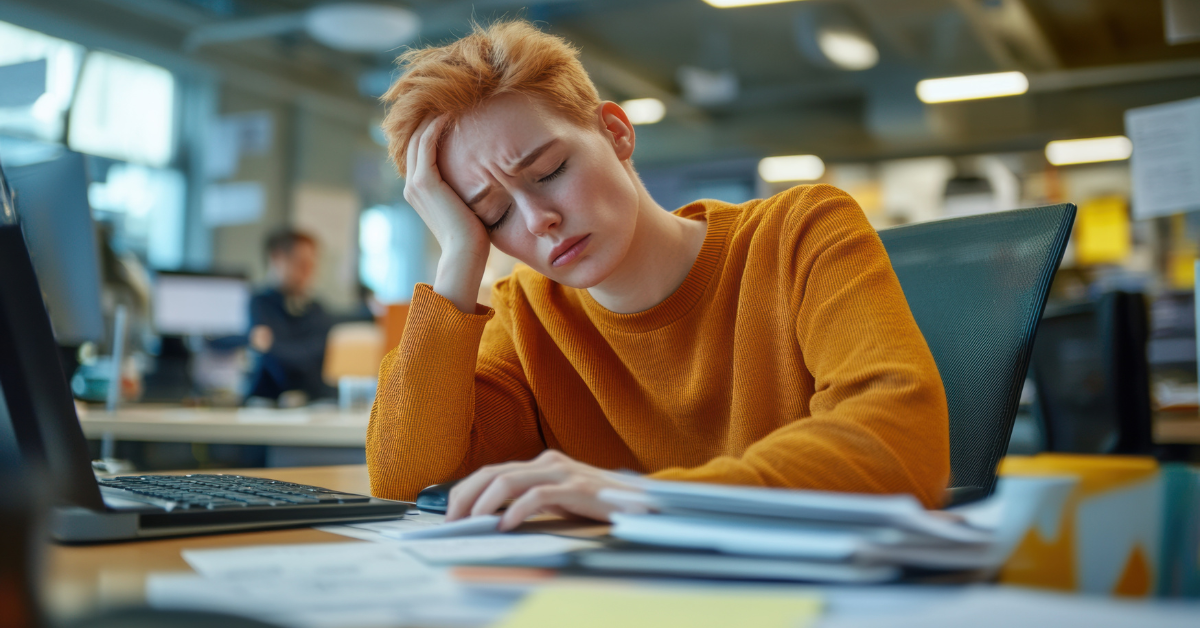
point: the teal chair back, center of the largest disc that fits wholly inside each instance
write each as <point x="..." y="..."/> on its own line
<point x="977" y="286"/>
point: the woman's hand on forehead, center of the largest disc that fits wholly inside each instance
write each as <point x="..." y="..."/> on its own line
<point x="552" y="483"/>
<point x="448" y="217"/>
<point x="459" y="232"/>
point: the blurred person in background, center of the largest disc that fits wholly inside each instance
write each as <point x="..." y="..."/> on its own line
<point x="288" y="327"/>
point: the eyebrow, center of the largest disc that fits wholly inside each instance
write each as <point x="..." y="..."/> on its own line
<point x="525" y="162"/>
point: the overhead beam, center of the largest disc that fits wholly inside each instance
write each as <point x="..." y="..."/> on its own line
<point x="240" y="30"/>
<point x="1007" y="26"/>
<point x="1113" y="75"/>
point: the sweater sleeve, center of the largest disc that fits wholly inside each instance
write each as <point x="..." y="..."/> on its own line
<point x="452" y="398"/>
<point x="879" y="421"/>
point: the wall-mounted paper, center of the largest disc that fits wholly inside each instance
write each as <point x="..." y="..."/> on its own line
<point x="1166" y="157"/>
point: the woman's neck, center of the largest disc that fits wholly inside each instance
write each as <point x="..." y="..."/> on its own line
<point x="662" y="252"/>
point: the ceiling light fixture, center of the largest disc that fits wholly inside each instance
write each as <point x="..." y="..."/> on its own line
<point x="972" y="87"/>
<point x="1089" y="151"/>
<point x="360" y="27"/>
<point x="791" y="168"/>
<point x="847" y="49"/>
<point x="730" y="4"/>
<point x="644" y="110"/>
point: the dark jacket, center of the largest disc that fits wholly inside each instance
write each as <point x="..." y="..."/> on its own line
<point x="297" y="354"/>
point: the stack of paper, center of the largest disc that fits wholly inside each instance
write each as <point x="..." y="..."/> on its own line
<point x="744" y="532"/>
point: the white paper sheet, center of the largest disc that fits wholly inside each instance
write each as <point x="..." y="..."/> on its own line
<point x="374" y="531"/>
<point x="309" y="562"/>
<point x="319" y="585"/>
<point x="493" y="548"/>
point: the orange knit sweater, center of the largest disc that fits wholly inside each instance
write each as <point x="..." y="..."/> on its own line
<point x="787" y="358"/>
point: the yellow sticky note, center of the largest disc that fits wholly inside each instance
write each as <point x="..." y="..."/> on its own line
<point x="1103" y="234"/>
<point x="621" y="607"/>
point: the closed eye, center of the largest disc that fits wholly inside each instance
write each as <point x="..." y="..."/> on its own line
<point x="553" y="175"/>
<point x="499" y="221"/>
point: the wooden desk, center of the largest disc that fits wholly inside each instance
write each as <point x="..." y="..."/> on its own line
<point x="1184" y="430"/>
<point x="85" y="578"/>
<point x="239" y="426"/>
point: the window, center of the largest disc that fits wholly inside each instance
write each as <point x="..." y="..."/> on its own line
<point x="46" y="68"/>
<point x="391" y="242"/>
<point x="125" y="110"/>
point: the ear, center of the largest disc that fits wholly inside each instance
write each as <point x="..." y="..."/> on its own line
<point x="617" y="129"/>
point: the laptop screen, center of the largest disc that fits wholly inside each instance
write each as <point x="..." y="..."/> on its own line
<point x="38" y="404"/>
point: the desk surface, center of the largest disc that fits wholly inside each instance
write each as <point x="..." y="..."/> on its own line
<point x="83" y="579"/>
<point x="1184" y="430"/>
<point x="242" y="426"/>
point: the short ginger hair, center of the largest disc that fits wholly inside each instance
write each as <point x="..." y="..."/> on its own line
<point x="511" y="57"/>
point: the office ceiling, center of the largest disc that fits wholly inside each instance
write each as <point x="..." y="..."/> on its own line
<point x="1088" y="61"/>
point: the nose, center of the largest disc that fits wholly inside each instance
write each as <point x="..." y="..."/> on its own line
<point x="540" y="217"/>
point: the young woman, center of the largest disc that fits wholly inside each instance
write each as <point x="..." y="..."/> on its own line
<point x="764" y="344"/>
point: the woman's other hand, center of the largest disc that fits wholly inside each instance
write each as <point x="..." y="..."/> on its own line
<point x="551" y="483"/>
<point x="459" y="232"/>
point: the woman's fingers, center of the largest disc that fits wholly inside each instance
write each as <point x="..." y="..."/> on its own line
<point x="427" y="148"/>
<point x="577" y="497"/>
<point x="414" y="143"/>
<point x="512" y="485"/>
<point x="464" y="494"/>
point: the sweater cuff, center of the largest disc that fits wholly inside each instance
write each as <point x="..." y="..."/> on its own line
<point x="428" y="307"/>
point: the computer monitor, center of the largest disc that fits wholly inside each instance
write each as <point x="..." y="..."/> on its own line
<point x="207" y="305"/>
<point x="42" y="424"/>
<point x="52" y="207"/>
<point x="1089" y="365"/>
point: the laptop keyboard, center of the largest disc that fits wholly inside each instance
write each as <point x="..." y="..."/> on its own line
<point x="227" y="491"/>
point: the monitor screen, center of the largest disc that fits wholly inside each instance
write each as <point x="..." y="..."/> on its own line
<point x="52" y="206"/>
<point x="209" y="305"/>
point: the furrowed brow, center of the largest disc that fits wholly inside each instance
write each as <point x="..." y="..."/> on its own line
<point x="528" y="160"/>
<point x="525" y="162"/>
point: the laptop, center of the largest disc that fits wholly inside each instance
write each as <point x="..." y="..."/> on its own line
<point x="40" y="427"/>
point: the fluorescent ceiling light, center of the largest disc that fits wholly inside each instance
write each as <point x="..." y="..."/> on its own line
<point x="1066" y="152"/>
<point x="972" y="87"/>
<point x="729" y="4"/>
<point x="791" y="168"/>
<point x="847" y="49"/>
<point x="644" y="110"/>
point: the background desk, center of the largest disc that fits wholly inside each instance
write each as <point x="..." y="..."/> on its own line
<point x="1177" y="430"/>
<point x="304" y="427"/>
<point x="84" y="579"/>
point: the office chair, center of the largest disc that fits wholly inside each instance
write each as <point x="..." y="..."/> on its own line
<point x="977" y="286"/>
<point x="1093" y="378"/>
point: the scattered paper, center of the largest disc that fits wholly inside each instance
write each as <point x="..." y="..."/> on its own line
<point x="483" y="524"/>
<point x="318" y="585"/>
<point x="494" y="548"/>
<point x="626" y="607"/>
<point x="374" y="531"/>
<point x="308" y="561"/>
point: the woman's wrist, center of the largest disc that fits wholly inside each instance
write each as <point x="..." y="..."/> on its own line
<point x="459" y="274"/>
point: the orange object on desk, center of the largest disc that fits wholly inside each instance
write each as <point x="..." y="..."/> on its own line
<point x="392" y="323"/>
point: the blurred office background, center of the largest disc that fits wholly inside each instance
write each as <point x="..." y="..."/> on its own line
<point x="206" y="125"/>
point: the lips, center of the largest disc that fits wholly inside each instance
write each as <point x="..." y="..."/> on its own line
<point x="568" y="250"/>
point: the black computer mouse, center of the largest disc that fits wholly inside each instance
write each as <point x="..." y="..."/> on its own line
<point x="435" y="498"/>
